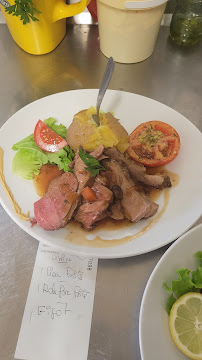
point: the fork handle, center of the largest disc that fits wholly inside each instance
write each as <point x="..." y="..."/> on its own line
<point x="105" y="82"/>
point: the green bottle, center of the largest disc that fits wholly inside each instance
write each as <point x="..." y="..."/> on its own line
<point x="186" y="23"/>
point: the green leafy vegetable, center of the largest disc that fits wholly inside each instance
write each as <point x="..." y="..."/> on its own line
<point x="185" y="283"/>
<point x="24" y="9"/>
<point x="171" y="300"/>
<point x="91" y="163"/>
<point x="59" y="129"/>
<point x="29" y="158"/>
<point x="197" y="275"/>
<point x="27" y="162"/>
<point x="27" y="143"/>
<point x="199" y="256"/>
<point x="62" y="158"/>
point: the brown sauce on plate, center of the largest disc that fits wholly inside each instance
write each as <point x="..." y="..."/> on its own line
<point x="155" y="193"/>
<point x="78" y="235"/>
<point x="47" y="174"/>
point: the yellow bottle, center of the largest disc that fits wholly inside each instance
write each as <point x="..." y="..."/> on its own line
<point x="43" y="36"/>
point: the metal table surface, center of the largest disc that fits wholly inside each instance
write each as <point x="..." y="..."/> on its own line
<point x="172" y="76"/>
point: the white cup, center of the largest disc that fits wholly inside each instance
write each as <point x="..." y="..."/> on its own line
<point x="128" y="29"/>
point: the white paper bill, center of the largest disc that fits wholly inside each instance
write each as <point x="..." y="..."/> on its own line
<point x="57" y="317"/>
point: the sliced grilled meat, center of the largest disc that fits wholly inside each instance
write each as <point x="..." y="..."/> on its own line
<point x="138" y="172"/>
<point x="115" y="210"/>
<point x="91" y="212"/>
<point x="52" y="211"/>
<point x="135" y="205"/>
<point x="117" y="191"/>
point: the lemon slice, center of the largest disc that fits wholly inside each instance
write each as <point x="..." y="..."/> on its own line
<point x="186" y="324"/>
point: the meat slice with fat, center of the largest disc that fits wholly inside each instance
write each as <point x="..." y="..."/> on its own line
<point x="134" y="205"/>
<point x="138" y="171"/>
<point x="91" y="212"/>
<point x="52" y="211"/>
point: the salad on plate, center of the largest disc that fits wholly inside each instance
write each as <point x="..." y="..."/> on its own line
<point x="184" y="307"/>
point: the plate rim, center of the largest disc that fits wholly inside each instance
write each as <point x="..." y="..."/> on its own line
<point x="153" y="273"/>
<point x="83" y="250"/>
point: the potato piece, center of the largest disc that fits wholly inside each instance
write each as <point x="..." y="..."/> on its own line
<point x="84" y="132"/>
<point x="119" y="131"/>
<point x="80" y="130"/>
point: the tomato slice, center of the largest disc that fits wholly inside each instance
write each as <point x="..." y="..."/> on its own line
<point x="47" y="139"/>
<point x="154" y="143"/>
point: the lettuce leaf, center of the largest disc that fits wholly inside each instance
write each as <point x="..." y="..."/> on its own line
<point x="27" y="143"/>
<point x="171" y="300"/>
<point x="29" y="158"/>
<point x="27" y="163"/>
<point x="197" y="275"/>
<point x="59" y="129"/>
<point x="184" y="283"/>
<point x="62" y="158"/>
<point x="198" y="255"/>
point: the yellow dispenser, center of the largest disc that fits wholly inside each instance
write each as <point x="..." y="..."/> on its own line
<point x="43" y="36"/>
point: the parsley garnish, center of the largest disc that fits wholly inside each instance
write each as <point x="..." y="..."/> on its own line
<point x="24" y="9"/>
<point x="91" y="163"/>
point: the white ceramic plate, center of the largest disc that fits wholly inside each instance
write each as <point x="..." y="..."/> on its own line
<point x="185" y="204"/>
<point x="155" y="339"/>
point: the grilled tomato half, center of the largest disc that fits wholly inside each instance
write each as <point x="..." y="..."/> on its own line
<point x="154" y="143"/>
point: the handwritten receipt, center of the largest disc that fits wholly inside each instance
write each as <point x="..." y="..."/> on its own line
<point x="57" y="317"/>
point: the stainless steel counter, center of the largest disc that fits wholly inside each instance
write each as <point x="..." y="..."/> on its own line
<point x="172" y="76"/>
